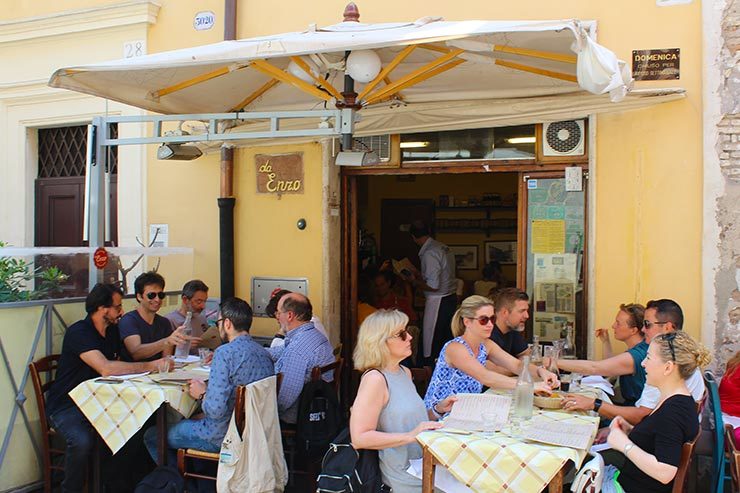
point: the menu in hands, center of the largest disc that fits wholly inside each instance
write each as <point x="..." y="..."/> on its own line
<point x="467" y="412"/>
<point x="572" y="435"/>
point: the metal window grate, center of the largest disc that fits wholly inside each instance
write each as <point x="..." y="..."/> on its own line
<point x="62" y="151"/>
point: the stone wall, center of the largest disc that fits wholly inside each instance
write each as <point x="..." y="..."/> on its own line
<point x="728" y="205"/>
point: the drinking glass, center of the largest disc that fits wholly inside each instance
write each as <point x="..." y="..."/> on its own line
<point x="490" y="423"/>
<point x="163" y="365"/>
<point x="204" y="353"/>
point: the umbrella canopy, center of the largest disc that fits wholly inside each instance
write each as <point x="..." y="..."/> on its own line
<point x="426" y="61"/>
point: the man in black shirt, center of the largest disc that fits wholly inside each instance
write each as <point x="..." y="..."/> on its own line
<point x="512" y="311"/>
<point x="90" y="349"/>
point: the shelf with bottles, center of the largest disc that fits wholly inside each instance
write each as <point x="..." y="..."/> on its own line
<point x="484" y="208"/>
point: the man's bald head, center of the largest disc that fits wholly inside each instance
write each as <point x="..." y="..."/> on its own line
<point x="298" y="304"/>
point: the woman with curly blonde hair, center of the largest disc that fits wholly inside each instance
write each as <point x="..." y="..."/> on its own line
<point x="652" y="448"/>
<point x="388" y="413"/>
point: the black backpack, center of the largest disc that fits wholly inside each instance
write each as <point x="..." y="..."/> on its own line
<point x="164" y="479"/>
<point x="319" y="418"/>
<point x="345" y="470"/>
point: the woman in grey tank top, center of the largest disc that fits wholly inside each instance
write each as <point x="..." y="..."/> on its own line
<point x="388" y="413"/>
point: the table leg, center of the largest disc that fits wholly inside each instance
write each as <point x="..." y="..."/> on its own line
<point x="427" y="471"/>
<point x="556" y="483"/>
<point x="162" y="435"/>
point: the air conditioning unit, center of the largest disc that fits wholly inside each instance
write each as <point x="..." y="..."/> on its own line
<point x="379" y="144"/>
<point x="564" y="139"/>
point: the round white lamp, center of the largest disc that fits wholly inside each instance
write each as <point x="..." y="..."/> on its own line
<point x="294" y="69"/>
<point x="363" y="65"/>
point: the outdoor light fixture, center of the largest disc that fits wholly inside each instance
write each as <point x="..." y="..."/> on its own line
<point x="521" y="140"/>
<point x="357" y="158"/>
<point x="178" y="152"/>
<point x="297" y="71"/>
<point x="413" y="145"/>
<point x="363" y="65"/>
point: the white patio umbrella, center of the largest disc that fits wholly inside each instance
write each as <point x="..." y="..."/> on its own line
<point x="422" y="62"/>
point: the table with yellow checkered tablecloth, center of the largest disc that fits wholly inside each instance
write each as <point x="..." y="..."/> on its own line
<point x="502" y="462"/>
<point x="118" y="411"/>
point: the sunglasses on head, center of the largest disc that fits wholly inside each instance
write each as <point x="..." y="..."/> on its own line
<point x="647" y="323"/>
<point x="670" y="338"/>
<point x="153" y="295"/>
<point x="403" y="335"/>
<point x="484" y="319"/>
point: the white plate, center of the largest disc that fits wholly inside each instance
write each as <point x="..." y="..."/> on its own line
<point x="191" y="358"/>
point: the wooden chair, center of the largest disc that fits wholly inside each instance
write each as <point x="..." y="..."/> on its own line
<point x="47" y="365"/>
<point x="733" y="456"/>
<point x="213" y="457"/>
<point x="687" y="452"/>
<point x="289" y="432"/>
<point x="338" y="350"/>
<point x="421" y="378"/>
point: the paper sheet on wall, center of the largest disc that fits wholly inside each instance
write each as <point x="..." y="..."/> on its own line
<point x="548" y="236"/>
<point x="558" y="433"/>
<point x="467" y="412"/>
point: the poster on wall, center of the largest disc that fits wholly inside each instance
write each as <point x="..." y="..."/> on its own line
<point x="555" y="281"/>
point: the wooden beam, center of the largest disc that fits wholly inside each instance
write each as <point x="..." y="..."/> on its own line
<point x="383" y="75"/>
<point x="545" y="55"/>
<point x="283" y="76"/>
<point x="319" y="80"/>
<point x="196" y="80"/>
<point x="259" y="92"/>
<point x="430" y="69"/>
<point x="538" y="71"/>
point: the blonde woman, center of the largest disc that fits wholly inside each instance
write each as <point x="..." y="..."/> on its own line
<point x="388" y="413"/>
<point x="461" y="367"/>
<point x="652" y="448"/>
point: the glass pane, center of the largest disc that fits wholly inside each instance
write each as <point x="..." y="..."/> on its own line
<point x="484" y="143"/>
<point x="555" y="236"/>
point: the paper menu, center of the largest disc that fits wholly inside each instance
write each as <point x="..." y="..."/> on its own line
<point x="559" y="433"/>
<point x="467" y="412"/>
<point x="210" y="338"/>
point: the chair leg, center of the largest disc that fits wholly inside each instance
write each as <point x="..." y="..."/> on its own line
<point x="181" y="461"/>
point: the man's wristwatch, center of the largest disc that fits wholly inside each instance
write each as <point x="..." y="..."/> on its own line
<point x="597" y="404"/>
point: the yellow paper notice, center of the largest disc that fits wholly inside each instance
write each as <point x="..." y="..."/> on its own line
<point x="548" y="236"/>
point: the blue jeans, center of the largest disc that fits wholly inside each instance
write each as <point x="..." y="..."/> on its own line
<point x="79" y="435"/>
<point x="179" y="435"/>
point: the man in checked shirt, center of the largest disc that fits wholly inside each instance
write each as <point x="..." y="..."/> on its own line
<point x="305" y="347"/>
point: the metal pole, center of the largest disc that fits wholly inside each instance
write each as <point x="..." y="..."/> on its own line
<point x="96" y="200"/>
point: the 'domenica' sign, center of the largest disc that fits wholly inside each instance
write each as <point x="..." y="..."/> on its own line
<point x="656" y="64"/>
<point x="279" y="174"/>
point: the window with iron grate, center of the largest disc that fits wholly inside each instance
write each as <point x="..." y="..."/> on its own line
<point x="62" y="151"/>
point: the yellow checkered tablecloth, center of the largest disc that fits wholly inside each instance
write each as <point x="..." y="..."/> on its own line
<point x="118" y="411"/>
<point x="501" y="462"/>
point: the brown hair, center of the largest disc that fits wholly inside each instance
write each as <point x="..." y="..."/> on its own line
<point x="506" y="298"/>
<point x="686" y="353"/>
<point x="636" y="312"/>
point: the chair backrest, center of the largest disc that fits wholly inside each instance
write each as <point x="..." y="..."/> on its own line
<point x="336" y="366"/>
<point x="241" y="401"/>
<point x="687" y="451"/>
<point x="733" y="454"/>
<point x="421" y="378"/>
<point x="47" y="365"/>
<point x="338" y="350"/>
<point x="718" y="454"/>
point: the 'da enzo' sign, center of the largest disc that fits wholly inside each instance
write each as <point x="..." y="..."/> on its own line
<point x="279" y="174"/>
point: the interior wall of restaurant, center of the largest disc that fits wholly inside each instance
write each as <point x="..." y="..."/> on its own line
<point x="647" y="166"/>
<point x="461" y="187"/>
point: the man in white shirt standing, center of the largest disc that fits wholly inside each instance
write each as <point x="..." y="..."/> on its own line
<point x="438" y="283"/>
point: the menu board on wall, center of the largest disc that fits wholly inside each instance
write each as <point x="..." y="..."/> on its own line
<point x="555" y="281"/>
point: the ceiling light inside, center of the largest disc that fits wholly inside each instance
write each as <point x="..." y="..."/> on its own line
<point x="521" y="140"/>
<point x="414" y="145"/>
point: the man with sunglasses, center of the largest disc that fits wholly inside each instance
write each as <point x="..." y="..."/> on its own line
<point x="147" y="335"/>
<point x="662" y="316"/>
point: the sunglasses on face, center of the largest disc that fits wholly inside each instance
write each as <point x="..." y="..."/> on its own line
<point x="403" y="335"/>
<point x="153" y="295"/>
<point x="484" y="320"/>
<point x="647" y="323"/>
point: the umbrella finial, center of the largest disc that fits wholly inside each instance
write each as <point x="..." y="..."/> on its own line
<point x="351" y="13"/>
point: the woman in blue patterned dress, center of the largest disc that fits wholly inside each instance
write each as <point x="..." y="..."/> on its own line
<point x="461" y="367"/>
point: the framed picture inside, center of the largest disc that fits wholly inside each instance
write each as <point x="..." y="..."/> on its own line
<point x="466" y="256"/>
<point x="502" y="251"/>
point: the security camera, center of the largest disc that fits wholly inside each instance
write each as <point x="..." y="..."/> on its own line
<point x="178" y="152"/>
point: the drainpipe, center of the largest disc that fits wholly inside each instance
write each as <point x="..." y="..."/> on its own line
<point x="226" y="200"/>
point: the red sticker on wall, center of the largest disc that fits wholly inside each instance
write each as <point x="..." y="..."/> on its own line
<point x="100" y="258"/>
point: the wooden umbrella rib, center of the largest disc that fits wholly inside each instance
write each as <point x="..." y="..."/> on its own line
<point x="538" y="71"/>
<point x="271" y="70"/>
<point x="259" y="92"/>
<point x="383" y="75"/>
<point x="319" y="80"/>
<point x="196" y="80"/>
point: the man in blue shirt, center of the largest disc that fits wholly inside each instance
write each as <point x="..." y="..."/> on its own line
<point x="305" y="347"/>
<point x="239" y="361"/>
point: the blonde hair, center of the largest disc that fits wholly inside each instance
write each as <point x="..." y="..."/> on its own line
<point x="371" y="350"/>
<point x="689" y="353"/>
<point x="467" y="309"/>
